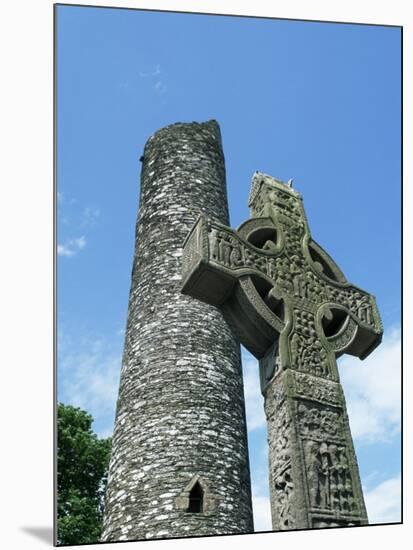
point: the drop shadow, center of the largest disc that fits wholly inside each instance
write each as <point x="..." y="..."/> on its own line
<point x="45" y="534"/>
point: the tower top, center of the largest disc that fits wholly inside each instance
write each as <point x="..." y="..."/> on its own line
<point x="210" y="126"/>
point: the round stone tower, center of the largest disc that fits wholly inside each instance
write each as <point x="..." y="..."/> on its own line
<point x="179" y="464"/>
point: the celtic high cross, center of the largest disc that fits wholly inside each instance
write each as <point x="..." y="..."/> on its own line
<point x="293" y="309"/>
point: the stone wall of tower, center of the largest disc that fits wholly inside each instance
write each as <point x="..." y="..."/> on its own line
<point x="180" y="413"/>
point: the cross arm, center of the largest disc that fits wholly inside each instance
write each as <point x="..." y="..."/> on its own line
<point x="221" y="267"/>
<point x="215" y="257"/>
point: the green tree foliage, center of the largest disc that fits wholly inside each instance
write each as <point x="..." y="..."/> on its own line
<point x="82" y="468"/>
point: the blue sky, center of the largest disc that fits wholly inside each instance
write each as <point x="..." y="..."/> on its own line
<point x="314" y="101"/>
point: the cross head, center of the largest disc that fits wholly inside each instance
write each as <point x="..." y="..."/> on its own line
<point x="285" y="296"/>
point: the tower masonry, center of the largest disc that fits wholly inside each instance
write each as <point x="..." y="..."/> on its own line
<point x="179" y="464"/>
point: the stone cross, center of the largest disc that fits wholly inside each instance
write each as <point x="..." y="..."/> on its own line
<point x="293" y="309"/>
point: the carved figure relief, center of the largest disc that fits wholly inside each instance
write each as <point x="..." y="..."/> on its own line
<point x="224" y="248"/>
<point x="356" y="302"/>
<point x="283" y="202"/>
<point x="307" y="352"/>
<point x="329" y="480"/>
<point x="318" y="474"/>
<point x="364" y="310"/>
<point x="213" y="243"/>
<point x="317" y="422"/>
<point x="293" y="233"/>
<point x="230" y="252"/>
<point x="235" y="258"/>
<point x="272" y="268"/>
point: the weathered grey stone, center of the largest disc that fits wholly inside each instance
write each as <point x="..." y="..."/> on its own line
<point x="294" y="310"/>
<point x="180" y="412"/>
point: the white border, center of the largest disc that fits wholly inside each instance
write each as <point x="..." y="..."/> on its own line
<point x="26" y="299"/>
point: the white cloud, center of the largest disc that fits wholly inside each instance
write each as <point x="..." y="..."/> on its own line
<point x="254" y="401"/>
<point x="92" y="382"/>
<point x="71" y="247"/>
<point x="156" y="71"/>
<point x="89" y="378"/>
<point x="75" y="220"/>
<point x="372" y="390"/>
<point x="159" y="87"/>
<point x="90" y="216"/>
<point x="383" y="502"/>
<point x="260" y="487"/>
<point x="154" y="75"/>
<point x="62" y="199"/>
<point x="262" y="513"/>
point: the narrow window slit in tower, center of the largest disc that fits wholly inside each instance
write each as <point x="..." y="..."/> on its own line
<point x="196" y="499"/>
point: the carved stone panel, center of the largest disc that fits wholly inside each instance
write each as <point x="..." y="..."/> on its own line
<point x="280" y="435"/>
<point x="319" y="421"/>
<point x="317" y="389"/>
<point x="307" y="351"/>
<point x="329" y="478"/>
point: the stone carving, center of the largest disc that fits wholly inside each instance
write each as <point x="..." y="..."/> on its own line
<point x="308" y="354"/>
<point x="312" y="387"/>
<point x="357" y="302"/>
<point x="213" y="244"/>
<point x="294" y="310"/>
<point x="283" y="491"/>
<point x="318" y="474"/>
<point x="279" y="421"/>
<point x="329" y="478"/>
<point x="230" y="252"/>
<point x="315" y="421"/>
